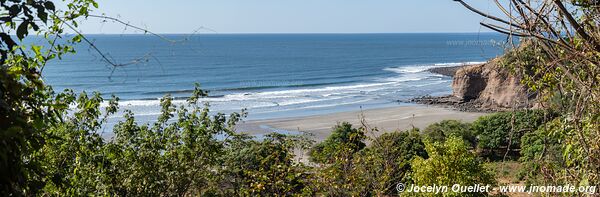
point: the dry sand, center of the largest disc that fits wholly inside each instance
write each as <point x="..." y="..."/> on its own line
<point x="387" y="120"/>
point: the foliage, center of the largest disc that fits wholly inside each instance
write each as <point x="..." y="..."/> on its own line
<point x="561" y="62"/>
<point x="542" y="150"/>
<point x="344" y="140"/>
<point x="73" y="146"/>
<point x="386" y="163"/>
<point x="264" y="168"/>
<point x="374" y="170"/>
<point x="27" y="106"/>
<point x="558" y="148"/>
<point x="450" y="163"/>
<point x="501" y="130"/>
<point x="554" y="151"/>
<point x="194" y="154"/>
<point x="438" y="132"/>
<point x="51" y="143"/>
<point x="335" y="156"/>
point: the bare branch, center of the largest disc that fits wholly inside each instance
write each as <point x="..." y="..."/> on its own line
<point x="578" y="28"/>
<point x="487" y="15"/>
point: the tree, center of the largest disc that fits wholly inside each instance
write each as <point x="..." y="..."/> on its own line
<point x="344" y="140"/>
<point x="438" y="132"/>
<point x="387" y="162"/>
<point x="34" y="124"/>
<point x="542" y="153"/>
<point x="192" y="154"/>
<point x="560" y="58"/>
<point x="335" y="159"/>
<point x="265" y="168"/>
<point x="27" y="106"/>
<point x="501" y="132"/>
<point x="450" y="163"/>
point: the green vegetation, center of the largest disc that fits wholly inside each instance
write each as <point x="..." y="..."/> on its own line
<point x="541" y="149"/>
<point x="502" y="132"/>
<point x="439" y="132"/>
<point x="263" y="168"/>
<point x="29" y="108"/>
<point x="450" y="163"/>
<point x="559" y="59"/>
<point x="185" y="156"/>
<point x="387" y="161"/>
<point x="373" y="171"/>
<point x="344" y="140"/>
<point x="51" y="144"/>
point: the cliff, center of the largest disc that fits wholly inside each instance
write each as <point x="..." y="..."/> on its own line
<point x="491" y="86"/>
<point x="483" y="87"/>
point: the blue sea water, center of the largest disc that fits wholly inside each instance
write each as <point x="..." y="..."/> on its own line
<point x="271" y="75"/>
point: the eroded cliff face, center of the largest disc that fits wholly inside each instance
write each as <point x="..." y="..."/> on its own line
<point x="491" y="87"/>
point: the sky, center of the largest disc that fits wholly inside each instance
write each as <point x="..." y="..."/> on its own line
<point x="290" y="16"/>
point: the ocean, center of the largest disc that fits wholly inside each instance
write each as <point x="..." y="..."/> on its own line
<point x="271" y="75"/>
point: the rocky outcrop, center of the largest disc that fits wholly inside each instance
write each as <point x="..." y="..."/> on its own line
<point x="447" y="71"/>
<point x="484" y="87"/>
<point x="491" y="86"/>
<point x="469" y="82"/>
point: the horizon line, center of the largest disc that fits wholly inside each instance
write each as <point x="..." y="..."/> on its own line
<point x="283" y="33"/>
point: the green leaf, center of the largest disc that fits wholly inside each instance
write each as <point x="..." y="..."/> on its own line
<point x="22" y="30"/>
<point x="49" y="5"/>
<point x="42" y="15"/>
<point x="77" y="38"/>
<point x="34" y="26"/>
<point x="36" y="49"/>
<point x="14" y="10"/>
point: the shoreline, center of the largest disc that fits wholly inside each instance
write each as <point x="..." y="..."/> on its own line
<point x="389" y="119"/>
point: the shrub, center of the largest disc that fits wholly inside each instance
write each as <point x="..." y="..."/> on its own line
<point x="438" y="132"/>
<point x="450" y="163"/>
<point x="28" y="107"/>
<point x="343" y="139"/>
<point x="195" y="154"/>
<point x="374" y="170"/>
<point x="386" y="163"/>
<point x="540" y="149"/>
<point x="264" y="168"/>
<point x="497" y="131"/>
<point x="335" y="154"/>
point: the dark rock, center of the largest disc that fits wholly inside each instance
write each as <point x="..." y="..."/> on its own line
<point x="447" y="71"/>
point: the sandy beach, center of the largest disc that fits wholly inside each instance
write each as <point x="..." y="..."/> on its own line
<point x="387" y="120"/>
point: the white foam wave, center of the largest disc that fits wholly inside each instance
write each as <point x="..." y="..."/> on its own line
<point x="313" y="97"/>
<point x="405" y="78"/>
<point x="280" y="99"/>
<point x="324" y="89"/>
<point x="425" y="67"/>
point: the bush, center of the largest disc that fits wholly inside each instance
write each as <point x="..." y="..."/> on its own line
<point x="335" y="154"/>
<point x="542" y="152"/>
<point x="343" y="139"/>
<point x="386" y="163"/>
<point x="372" y="171"/>
<point x="450" y="163"/>
<point x="264" y="168"/>
<point x="495" y="132"/>
<point x="28" y="107"/>
<point x="195" y="154"/>
<point x="438" y="132"/>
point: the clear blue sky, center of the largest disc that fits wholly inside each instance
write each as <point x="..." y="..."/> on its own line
<point x="292" y="16"/>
